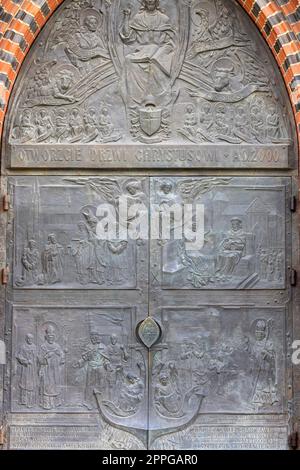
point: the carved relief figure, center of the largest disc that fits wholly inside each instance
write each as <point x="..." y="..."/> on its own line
<point x="263" y="358"/>
<point x="94" y="360"/>
<point x="264" y="263"/>
<point x="131" y="393"/>
<point x="62" y="82"/>
<point x="27" y="381"/>
<point x="231" y="248"/>
<point x="172" y="247"/>
<point x="174" y="395"/>
<point x="61" y="125"/>
<point x="88" y="43"/>
<point x="25" y="130"/>
<point x="274" y="128"/>
<point x="51" y="359"/>
<point x="53" y="260"/>
<point x="76" y="125"/>
<point x="148" y="69"/>
<point x="154" y="61"/>
<point x="105" y="124"/>
<point x="188" y="359"/>
<point x="191" y="121"/>
<point x="278" y="266"/>
<point x="44" y="125"/>
<point x="118" y="356"/>
<point x="148" y="63"/>
<point x="117" y="258"/>
<point x="83" y="251"/>
<point x="167" y="396"/>
<point x="90" y="124"/>
<point x="31" y="263"/>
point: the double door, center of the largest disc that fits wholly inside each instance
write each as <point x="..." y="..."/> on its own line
<point x="149" y="341"/>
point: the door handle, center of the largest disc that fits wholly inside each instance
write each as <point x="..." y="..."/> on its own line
<point x="149" y="332"/>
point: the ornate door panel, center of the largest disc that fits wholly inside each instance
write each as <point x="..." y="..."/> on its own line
<point x="224" y="311"/>
<point x="108" y="98"/>
<point x="74" y="304"/>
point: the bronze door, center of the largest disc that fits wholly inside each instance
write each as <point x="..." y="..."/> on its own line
<point x="207" y="370"/>
<point x="219" y="376"/>
<point x="139" y="342"/>
<point x="74" y="305"/>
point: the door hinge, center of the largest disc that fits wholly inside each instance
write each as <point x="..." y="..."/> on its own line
<point x="293" y="204"/>
<point x="6" y="202"/>
<point x="4" y="275"/>
<point x="294" y="440"/>
<point x="293" y="277"/>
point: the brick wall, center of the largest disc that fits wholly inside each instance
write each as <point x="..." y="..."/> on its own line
<point x="278" y="21"/>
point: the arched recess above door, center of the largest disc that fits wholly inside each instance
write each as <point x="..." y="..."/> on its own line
<point x="21" y="22"/>
<point x="84" y="82"/>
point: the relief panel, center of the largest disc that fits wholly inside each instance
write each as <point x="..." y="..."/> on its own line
<point x="183" y="73"/>
<point x="244" y="233"/>
<point x="56" y="244"/>
<point x="66" y="360"/>
<point x="215" y="360"/>
<point x="234" y="356"/>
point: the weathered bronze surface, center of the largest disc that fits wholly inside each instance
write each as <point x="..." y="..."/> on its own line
<point x="176" y="84"/>
<point x="134" y="344"/>
<point x="210" y="355"/>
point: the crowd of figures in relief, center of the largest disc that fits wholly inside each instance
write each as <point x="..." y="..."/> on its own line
<point x="152" y="71"/>
<point x="57" y="369"/>
<point x="52" y="364"/>
<point x="244" y="240"/>
<point x="69" y="252"/>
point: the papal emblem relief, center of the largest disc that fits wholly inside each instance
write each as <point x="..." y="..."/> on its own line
<point x="142" y="339"/>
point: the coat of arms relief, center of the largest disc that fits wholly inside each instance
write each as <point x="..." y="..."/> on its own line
<point x="150" y="71"/>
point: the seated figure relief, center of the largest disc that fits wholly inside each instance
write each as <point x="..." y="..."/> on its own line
<point x="109" y="72"/>
<point x="231" y="249"/>
<point x="243" y="243"/>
